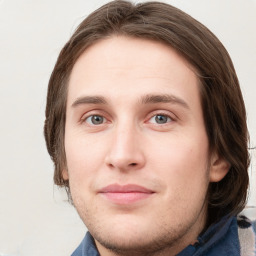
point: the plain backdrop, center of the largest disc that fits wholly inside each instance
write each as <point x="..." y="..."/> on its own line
<point x="35" y="219"/>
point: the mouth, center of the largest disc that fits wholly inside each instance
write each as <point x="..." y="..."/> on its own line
<point x="125" y="194"/>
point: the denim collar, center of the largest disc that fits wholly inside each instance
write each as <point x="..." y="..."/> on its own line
<point x="219" y="239"/>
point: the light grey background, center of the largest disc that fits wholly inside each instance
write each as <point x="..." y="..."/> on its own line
<point x="35" y="218"/>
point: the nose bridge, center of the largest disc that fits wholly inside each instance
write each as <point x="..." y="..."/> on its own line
<point x="124" y="139"/>
<point x="125" y="151"/>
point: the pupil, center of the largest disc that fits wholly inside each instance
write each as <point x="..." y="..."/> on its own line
<point x="97" y="120"/>
<point x="160" y="119"/>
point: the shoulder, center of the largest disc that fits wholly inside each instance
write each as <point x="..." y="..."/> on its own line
<point x="246" y="234"/>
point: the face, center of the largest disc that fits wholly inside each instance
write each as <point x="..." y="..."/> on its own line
<point x="136" y="147"/>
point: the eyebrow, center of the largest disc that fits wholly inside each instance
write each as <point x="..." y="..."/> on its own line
<point x="89" y="100"/>
<point x="146" y="99"/>
<point x="163" y="98"/>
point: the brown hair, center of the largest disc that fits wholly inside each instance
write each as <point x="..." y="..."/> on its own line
<point x="221" y="98"/>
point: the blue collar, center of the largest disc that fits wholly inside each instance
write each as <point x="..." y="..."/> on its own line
<point x="219" y="239"/>
<point x="87" y="247"/>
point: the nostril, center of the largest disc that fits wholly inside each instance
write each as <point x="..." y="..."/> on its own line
<point x="133" y="164"/>
<point x="111" y="165"/>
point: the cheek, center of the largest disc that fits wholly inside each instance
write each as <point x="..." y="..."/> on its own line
<point x="180" y="150"/>
<point x="83" y="157"/>
<point x="182" y="161"/>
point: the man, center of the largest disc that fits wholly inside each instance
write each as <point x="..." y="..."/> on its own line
<point x="146" y="125"/>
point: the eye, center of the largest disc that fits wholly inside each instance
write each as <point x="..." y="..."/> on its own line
<point x="160" y="119"/>
<point x="95" y="120"/>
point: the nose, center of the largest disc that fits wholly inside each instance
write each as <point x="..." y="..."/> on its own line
<point x="126" y="151"/>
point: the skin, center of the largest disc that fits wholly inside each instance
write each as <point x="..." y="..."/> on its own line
<point x="119" y="132"/>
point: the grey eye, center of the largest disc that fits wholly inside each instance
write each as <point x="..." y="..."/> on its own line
<point x="95" y="120"/>
<point x="160" y="119"/>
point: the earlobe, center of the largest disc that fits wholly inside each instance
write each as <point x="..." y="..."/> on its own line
<point x="65" y="174"/>
<point x="218" y="169"/>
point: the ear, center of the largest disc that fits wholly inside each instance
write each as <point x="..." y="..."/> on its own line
<point x="219" y="168"/>
<point x="65" y="174"/>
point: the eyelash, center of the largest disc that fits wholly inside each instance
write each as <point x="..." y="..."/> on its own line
<point x="95" y="115"/>
<point x="168" y="119"/>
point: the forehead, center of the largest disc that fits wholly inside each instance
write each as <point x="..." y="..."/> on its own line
<point x="122" y="66"/>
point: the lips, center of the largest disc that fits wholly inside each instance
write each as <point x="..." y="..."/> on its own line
<point x="126" y="194"/>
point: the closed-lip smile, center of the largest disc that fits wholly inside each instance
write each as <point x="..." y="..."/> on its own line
<point x="125" y="194"/>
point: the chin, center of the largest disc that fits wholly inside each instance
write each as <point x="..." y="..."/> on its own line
<point x="127" y="239"/>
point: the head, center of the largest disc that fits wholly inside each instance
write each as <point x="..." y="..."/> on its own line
<point x="196" y="49"/>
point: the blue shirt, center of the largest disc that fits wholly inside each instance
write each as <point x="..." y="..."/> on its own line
<point x="219" y="239"/>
